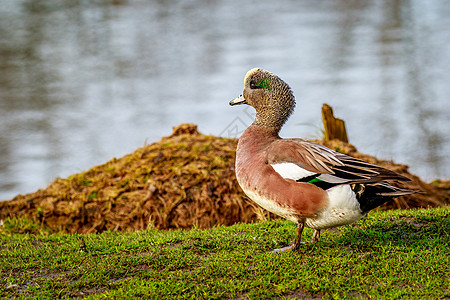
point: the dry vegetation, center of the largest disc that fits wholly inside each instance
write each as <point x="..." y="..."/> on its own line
<point x="185" y="180"/>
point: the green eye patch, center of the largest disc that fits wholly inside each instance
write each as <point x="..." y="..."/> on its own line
<point x="264" y="84"/>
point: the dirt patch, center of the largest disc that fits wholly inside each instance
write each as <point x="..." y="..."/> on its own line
<point x="185" y="180"/>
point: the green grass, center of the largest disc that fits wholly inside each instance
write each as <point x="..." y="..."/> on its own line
<point x="388" y="255"/>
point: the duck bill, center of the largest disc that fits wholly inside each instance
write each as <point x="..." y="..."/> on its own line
<point x="238" y="100"/>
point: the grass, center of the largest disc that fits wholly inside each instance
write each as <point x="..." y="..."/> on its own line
<point x="388" y="255"/>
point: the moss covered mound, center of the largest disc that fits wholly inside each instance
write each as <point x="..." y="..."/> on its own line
<point x="185" y="180"/>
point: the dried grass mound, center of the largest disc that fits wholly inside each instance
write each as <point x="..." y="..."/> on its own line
<point x="185" y="180"/>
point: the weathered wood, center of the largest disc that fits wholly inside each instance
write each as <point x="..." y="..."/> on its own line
<point x="334" y="127"/>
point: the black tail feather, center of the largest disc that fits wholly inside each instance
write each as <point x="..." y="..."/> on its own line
<point x="373" y="195"/>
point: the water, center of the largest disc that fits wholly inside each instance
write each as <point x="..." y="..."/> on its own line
<point x="82" y="82"/>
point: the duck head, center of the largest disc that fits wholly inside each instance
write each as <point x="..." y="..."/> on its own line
<point x="270" y="96"/>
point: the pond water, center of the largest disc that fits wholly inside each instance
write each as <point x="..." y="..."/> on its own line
<point x="82" y="82"/>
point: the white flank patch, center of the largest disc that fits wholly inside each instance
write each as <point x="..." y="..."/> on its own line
<point x="343" y="209"/>
<point x="291" y="171"/>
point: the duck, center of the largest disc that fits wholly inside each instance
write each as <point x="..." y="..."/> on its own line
<point x="299" y="180"/>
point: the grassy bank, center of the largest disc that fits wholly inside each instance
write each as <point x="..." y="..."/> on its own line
<point x="392" y="254"/>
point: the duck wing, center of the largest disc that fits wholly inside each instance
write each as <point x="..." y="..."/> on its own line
<point x="307" y="161"/>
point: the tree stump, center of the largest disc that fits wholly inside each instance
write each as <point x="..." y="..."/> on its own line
<point x="334" y="127"/>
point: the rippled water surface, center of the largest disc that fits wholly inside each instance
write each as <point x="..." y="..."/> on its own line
<point x="82" y="82"/>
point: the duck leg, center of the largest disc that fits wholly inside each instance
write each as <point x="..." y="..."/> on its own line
<point x="316" y="236"/>
<point x="298" y="238"/>
<point x="297" y="241"/>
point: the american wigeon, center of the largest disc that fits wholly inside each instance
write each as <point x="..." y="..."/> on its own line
<point x="299" y="180"/>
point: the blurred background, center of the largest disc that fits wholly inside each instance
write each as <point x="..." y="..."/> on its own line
<point x="82" y="82"/>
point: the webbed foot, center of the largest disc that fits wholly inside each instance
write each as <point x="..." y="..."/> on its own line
<point x="291" y="247"/>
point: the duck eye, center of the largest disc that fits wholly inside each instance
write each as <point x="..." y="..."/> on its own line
<point x="252" y="85"/>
